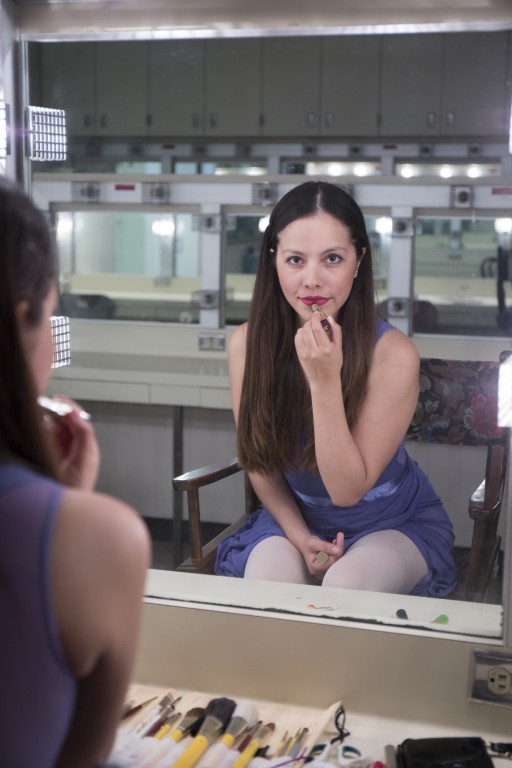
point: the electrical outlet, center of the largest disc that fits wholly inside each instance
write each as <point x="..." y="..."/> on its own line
<point x="490" y="678"/>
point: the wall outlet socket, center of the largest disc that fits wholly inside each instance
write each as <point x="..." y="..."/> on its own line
<point x="490" y="677"/>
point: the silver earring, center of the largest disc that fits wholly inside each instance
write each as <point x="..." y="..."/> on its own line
<point x="355" y="273"/>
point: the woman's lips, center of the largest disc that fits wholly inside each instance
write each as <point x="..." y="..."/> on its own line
<point x="310" y="300"/>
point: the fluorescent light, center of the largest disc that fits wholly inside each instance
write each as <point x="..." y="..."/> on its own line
<point x="384" y="225"/>
<point x="163" y="227"/>
<point x="503" y="226"/>
<point x="263" y="223"/>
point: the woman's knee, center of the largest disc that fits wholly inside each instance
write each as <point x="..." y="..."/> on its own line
<point x="276" y="559"/>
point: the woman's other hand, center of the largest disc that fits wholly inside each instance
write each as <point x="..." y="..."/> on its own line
<point x="317" y="562"/>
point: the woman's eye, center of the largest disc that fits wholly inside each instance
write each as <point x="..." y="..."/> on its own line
<point x="333" y="258"/>
<point x="293" y="260"/>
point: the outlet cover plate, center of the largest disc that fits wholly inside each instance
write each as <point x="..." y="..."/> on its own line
<point x="486" y="668"/>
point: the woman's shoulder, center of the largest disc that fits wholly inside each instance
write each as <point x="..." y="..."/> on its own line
<point x="391" y="342"/>
<point x="93" y="517"/>
<point x="238" y="340"/>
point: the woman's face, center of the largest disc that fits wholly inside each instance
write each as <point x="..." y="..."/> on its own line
<point x="316" y="263"/>
<point x="37" y="340"/>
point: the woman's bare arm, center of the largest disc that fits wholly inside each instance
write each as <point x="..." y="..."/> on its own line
<point x="100" y="555"/>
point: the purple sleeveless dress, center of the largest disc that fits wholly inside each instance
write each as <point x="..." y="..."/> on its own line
<point x="38" y="689"/>
<point x="402" y="499"/>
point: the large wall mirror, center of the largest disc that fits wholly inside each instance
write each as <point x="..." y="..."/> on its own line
<point x="112" y="92"/>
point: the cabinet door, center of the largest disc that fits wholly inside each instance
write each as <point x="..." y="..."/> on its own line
<point x="475" y="84"/>
<point x="291" y="86"/>
<point x="121" y="88"/>
<point x="411" y="85"/>
<point x="350" y="86"/>
<point x="176" y="88"/>
<point x="67" y="82"/>
<point x="233" y="87"/>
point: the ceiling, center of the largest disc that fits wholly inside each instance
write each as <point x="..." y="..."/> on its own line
<point x="245" y="17"/>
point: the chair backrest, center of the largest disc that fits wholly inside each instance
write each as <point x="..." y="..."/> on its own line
<point x="458" y="403"/>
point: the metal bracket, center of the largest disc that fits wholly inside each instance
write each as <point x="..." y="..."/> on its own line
<point x="264" y="194"/>
<point x="154" y="192"/>
<point x="206" y="299"/>
<point x="398" y="306"/>
<point x="461" y="197"/>
<point x="207" y="222"/>
<point x="85" y="192"/>
<point x="403" y="227"/>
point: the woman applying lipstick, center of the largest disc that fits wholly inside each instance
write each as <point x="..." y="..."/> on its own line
<point x="323" y="392"/>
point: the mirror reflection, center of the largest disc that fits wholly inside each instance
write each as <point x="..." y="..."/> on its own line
<point x="147" y="265"/>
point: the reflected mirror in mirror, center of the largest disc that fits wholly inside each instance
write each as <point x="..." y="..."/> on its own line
<point x="128" y="265"/>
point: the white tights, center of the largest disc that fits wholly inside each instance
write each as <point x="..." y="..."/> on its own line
<point x="384" y="561"/>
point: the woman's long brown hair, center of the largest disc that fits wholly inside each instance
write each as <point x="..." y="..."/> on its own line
<point x="275" y="424"/>
<point x="28" y="268"/>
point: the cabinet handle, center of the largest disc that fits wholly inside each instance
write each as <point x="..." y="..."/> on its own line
<point x="103" y="121"/>
<point x="214" y="120"/>
<point x="431" y="119"/>
<point x="328" y="120"/>
<point x="196" y="120"/>
<point x="450" y="118"/>
<point x="87" y="120"/>
<point x="311" y="119"/>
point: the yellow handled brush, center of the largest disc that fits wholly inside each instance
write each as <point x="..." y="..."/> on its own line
<point x="217" y="716"/>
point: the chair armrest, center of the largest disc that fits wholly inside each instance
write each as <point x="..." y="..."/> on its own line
<point x="197" y="478"/>
<point x="487" y="498"/>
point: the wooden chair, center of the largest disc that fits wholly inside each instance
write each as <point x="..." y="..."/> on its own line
<point x="457" y="405"/>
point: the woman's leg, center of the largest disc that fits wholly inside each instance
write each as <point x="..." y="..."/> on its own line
<point x="276" y="559"/>
<point x="384" y="561"/>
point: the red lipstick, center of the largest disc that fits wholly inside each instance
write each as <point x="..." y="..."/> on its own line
<point x="323" y="321"/>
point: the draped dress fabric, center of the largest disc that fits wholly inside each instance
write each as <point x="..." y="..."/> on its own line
<point x="402" y="499"/>
<point x="38" y="689"/>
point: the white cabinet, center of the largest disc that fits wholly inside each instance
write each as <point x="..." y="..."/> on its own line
<point x="350" y="86"/>
<point x="176" y="88"/>
<point x="233" y="87"/>
<point x="67" y="82"/>
<point x="122" y="88"/>
<point x="291" y="86"/>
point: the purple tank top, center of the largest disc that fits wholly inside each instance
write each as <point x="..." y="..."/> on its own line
<point x="38" y="689"/>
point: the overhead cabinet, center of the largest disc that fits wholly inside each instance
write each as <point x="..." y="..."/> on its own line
<point x="122" y="88"/>
<point x="445" y="85"/>
<point x="344" y="87"/>
<point x="176" y="88"/>
<point x="291" y="86"/>
<point x="233" y="87"/>
<point x="66" y="81"/>
<point x="349" y="86"/>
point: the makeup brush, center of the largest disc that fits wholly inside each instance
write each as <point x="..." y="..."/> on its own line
<point x="190" y="719"/>
<point x="253" y="747"/>
<point x="217" y="716"/>
<point x="244" y="717"/>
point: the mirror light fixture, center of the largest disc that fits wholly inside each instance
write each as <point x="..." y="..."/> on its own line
<point x="46" y="129"/>
<point x="61" y="341"/>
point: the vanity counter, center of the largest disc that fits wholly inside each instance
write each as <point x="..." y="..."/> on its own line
<point x="397" y="682"/>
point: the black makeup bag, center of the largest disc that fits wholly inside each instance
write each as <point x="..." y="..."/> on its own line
<point x="458" y="752"/>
